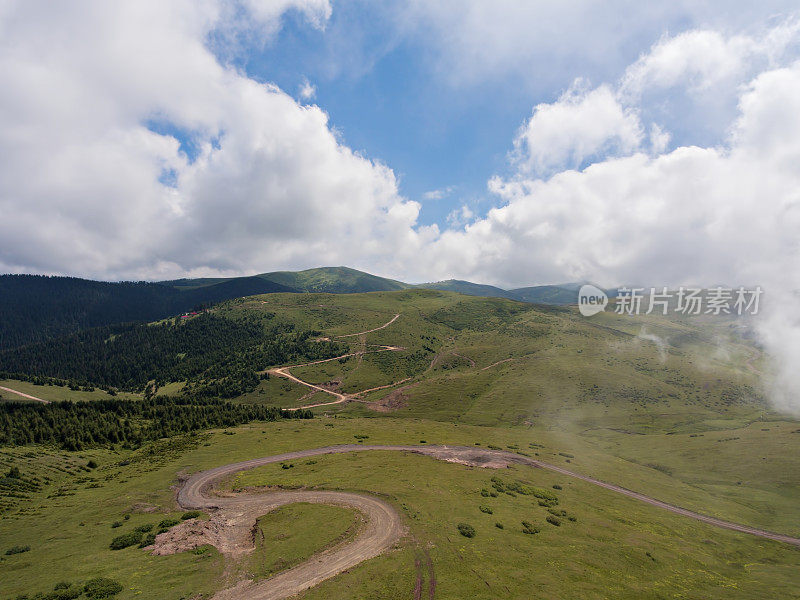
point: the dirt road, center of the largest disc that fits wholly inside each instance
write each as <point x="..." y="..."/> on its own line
<point x="284" y="371"/>
<point x="28" y="396"/>
<point x="394" y="318"/>
<point x="233" y="518"/>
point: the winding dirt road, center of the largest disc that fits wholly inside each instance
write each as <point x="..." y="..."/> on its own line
<point x="284" y="371"/>
<point x="233" y="518"/>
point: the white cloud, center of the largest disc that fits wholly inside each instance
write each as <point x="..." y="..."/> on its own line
<point x="307" y="91"/>
<point x="81" y="180"/>
<point x="582" y="124"/>
<point x="438" y="194"/>
<point x="459" y="217"/>
<point x="542" y="45"/>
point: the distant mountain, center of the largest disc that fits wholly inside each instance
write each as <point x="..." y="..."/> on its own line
<point x="334" y="280"/>
<point x="36" y="308"/>
<point x="566" y="293"/>
<point x="546" y="294"/>
<point x="331" y="280"/>
<point x="468" y="288"/>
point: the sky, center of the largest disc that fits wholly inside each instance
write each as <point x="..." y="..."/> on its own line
<point x="507" y="142"/>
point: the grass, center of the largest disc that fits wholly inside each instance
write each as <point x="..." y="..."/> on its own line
<point x="684" y="422"/>
<point x="54" y="393"/>
<point x="292" y="533"/>
<point x="70" y="533"/>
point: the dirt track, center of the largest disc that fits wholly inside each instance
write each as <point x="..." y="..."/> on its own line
<point x="233" y="518"/>
<point x="28" y="396"/>
<point x="284" y="371"/>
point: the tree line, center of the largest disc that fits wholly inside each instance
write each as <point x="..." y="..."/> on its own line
<point x="128" y="423"/>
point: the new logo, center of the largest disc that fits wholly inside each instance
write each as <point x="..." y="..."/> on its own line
<point x="591" y="300"/>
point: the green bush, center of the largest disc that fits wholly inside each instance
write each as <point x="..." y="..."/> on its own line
<point x="63" y="591"/>
<point x="466" y="530"/>
<point x="116" y="524"/>
<point x="91" y="464"/>
<point x="529" y="528"/>
<point x="485" y="493"/>
<point x="102" y="587"/>
<point x="486" y="509"/>
<point x="557" y="487"/>
<point x="17" y="550"/>
<point x="192" y="514"/>
<point x="148" y="540"/>
<point x="498" y="525"/>
<point x="128" y="539"/>
<point x="144" y="528"/>
<point x="167" y="523"/>
<point x="553" y="520"/>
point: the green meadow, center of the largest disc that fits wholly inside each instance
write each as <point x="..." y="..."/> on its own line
<point x="671" y="408"/>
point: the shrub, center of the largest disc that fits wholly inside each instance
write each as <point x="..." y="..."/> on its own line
<point x="498" y="525"/>
<point x="91" y="464"/>
<point x="14" y="473"/>
<point x="287" y="466"/>
<point x="423" y="442"/>
<point x="167" y="523"/>
<point x="102" y="587"/>
<point x="486" y="509"/>
<point x="361" y="436"/>
<point x="493" y="447"/>
<point x="485" y="493"/>
<point x="17" y="550"/>
<point x="529" y="528"/>
<point x="557" y="487"/>
<point x="148" y="540"/>
<point x="192" y="514"/>
<point x="553" y="520"/>
<point x="466" y="530"/>
<point x="63" y="591"/>
<point x="123" y="541"/>
<point x="144" y="528"/>
<point x="116" y="524"/>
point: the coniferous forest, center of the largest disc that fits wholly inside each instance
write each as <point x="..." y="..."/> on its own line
<point x="36" y="308"/>
<point x="130" y="423"/>
<point x="215" y="357"/>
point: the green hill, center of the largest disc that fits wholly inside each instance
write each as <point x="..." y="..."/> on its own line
<point x="333" y="280"/>
<point x="467" y="287"/>
<point x="37" y="308"/>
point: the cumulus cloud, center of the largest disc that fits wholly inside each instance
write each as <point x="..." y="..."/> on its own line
<point x="687" y="216"/>
<point x="583" y="123"/>
<point x="131" y="150"/>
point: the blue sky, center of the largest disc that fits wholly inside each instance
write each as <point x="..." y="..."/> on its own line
<point x="512" y="143"/>
<point x="385" y="94"/>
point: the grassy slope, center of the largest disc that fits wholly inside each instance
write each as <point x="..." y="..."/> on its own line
<point x="290" y="534"/>
<point x="603" y="554"/>
<point x="338" y="280"/>
<point x="681" y="424"/>
<point x="54" y="393"/>
<point x="612" y="396"/>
